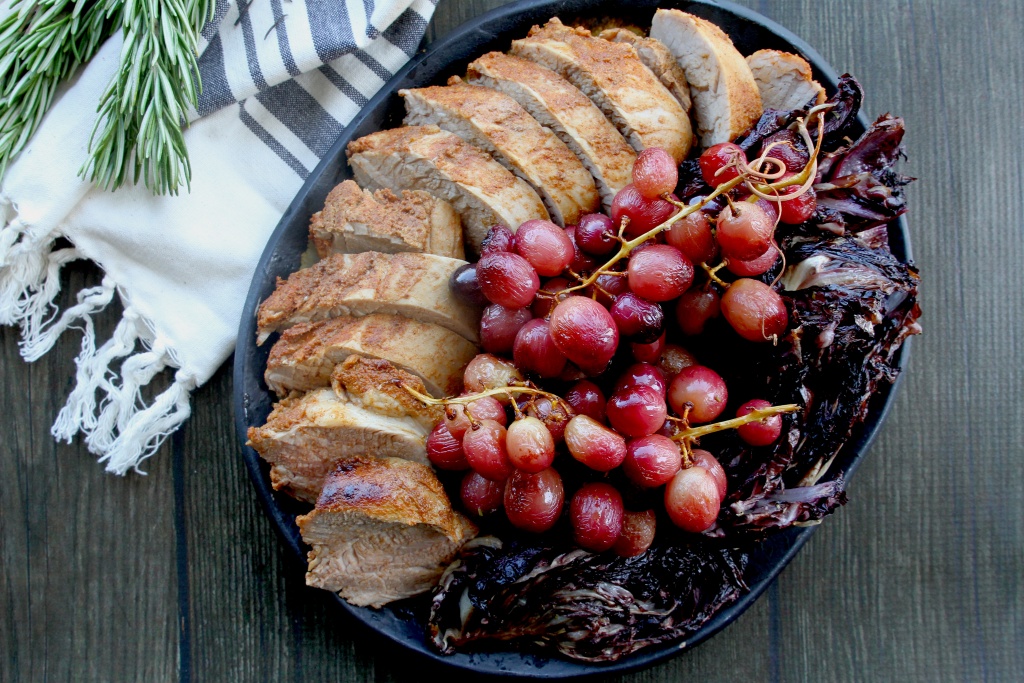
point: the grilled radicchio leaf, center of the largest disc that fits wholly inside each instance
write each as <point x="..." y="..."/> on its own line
<point x="589" y="607"/>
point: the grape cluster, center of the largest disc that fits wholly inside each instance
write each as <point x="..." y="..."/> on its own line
<point x="561" y="302"/>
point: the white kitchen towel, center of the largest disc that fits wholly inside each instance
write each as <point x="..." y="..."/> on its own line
<point x="281" y="78"/>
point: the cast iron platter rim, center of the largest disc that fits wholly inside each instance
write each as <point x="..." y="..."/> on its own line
<point x="288" y="242"/>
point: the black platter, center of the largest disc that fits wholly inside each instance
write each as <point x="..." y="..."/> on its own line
<point x="449" y="56"/>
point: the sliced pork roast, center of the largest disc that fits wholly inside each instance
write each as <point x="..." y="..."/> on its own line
<point x="355" y="220"/>
<point x="658" y="59"/>
<point x="497" y="124"/>
<point x="483" y="192"/>
<point x="614" y="78"/>
<point x="413" y="285"/>
<point x="784" y="80"/>
<point x="363" y="414"/>
<point x="382" y="530"/>
<point x="726" y="100"/>
<point x="559" y="105"/>
<point x="305" y="355"/>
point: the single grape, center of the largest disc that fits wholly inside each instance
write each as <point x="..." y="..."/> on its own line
<point x="659" y="273"/>
<point x="651" y="460"/>
<point x="718" y="163"/>
<point x="481" y="496"/>
<point x="799" y="209"/>
<point x="585" y="333"/>
<point x="554" y="418"/>
<point x="498" y="238"/>
<point x="789" y="150"/>
<point x="673" y="359"/>
<point x="535" y="352"/>
<point x="596" y="515"/>
<point x="466" y="286"/>
<point x="638" y="319"/>
<point x="649" y="353"/>
<point x="582" y="262"/>
<point x="545" y="245"/>
<point x="544" y="304"/>
<point x="637" y="533"/>
<point x="486" y="371"/>
<point x="586" y="398"/>
<point x="763" y="433"/>
<point x="642" y="374"/>
<point x="693" y="236"/>
<point x="533" y="502"/>
<point x="606" y="289"/>
<point x="484" y="408"/>
<point x="771" y="209"/>
<point x="643" y="214"/>
<point x="655" y="173"/>
<point x="754" y="310"/>
<point x="695" y="308"/>
<point x="702" y="458"/>
<point x="702" y="387"/>
<point x="507" y="279"/>
<point x="593" y="444"/>
<point x="595" y="234"/>
<point x="530" y="445"/>
<point x="486" y="450"/>
<point x="692" y="501"/>
<point x="499" y="327"/>
<point x="637" y="410"/>
<point x="445" y="451"/>
<point x="758" y="266"/>
<point x="744" y="231"/>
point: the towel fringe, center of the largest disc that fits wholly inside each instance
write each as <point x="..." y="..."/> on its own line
<point x="119" y="427"/>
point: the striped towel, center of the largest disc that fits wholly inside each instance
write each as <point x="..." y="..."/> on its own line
<point x="281" y="79"/>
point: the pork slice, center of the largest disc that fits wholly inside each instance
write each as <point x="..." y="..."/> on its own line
<point x="784" y="80"/>
<point x="614" y="78"/>
<point x="482" y="191"/>
<point x="658" y="59"/>
<point x="355" y="220"/>
<point x="382" y="530"/>
<point x="559" y="105"/>
<point x="726" y="100"/>
<point x="497" y="124"/>
<point x="413" y="285"/>
<point x="305" y="355"/>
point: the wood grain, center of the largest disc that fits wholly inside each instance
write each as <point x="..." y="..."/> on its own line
<point x="178" y="575"/>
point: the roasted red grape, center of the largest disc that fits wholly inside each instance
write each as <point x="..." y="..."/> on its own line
<point x="659" y="273"/>
<point x="498" y="238"/>
<point x="444" y="450"/>
<point x="642" y="374"/>
<point x="718" y="163"/>
<point x="702" y="387"/>
<point x="545" y="246"/>
<point x="693" y="236"/>
<point x="484" y="408"/>
<point x="543" y="304"/>
<point x="586" y="398"/>
<point x="655" y="172"/>
<point x="582" y="262"/>
<point x="754" y="310"/>
<point x="694" y="308"/>
<point x="465" y="285"/>
<point x="787" y="148"/>
<point x="499" y="327"/>
<point x="799" y="209"/>
<point x="486" y="371"/>
<point x="585" y="333"/>
<point x="533" y="502"/>
<point x="535" y="352"/>
<point x="554" y="419"/>
<point x="673" y="359"/>
<point x="638" y="319"/>
<point x="487" y="452"/>
<point x="649" y="353"/>
<point x="607" y="288"/>
<point x="644" y="214"/>
<point x="637" y="410"/>
<point x="595" y="234"/>
<point x="758" y="266"/>
<point x="596" y="515"/>
<point x="530" y="445"/>
<point x="651" y="460"/>
<point x="637" y="533"/>
<point x="507" y="279"/>
<point x="744" y="231"/>
<point x="692" y="501"/>
<point x="593" y="444"/>
<point x="702" y="458"/>
<point x="481" y="496"/>
<point x="763" y="433"/>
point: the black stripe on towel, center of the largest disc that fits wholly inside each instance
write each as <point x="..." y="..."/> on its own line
<point x="283" y="45"/>
<point x="269" y="140"/>
<point x="302" y="115"/>
<point x="406" y="31"/>
<point x="373" y="65"/>
<point x="250" y="52"/>
<point x="216" y="92"/>
<point x="344" y="86"/>
<point x="331" y="28"/>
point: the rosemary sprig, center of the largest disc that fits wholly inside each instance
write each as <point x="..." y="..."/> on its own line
<point x="139" y="130"/>
<point x="41" y="43"/>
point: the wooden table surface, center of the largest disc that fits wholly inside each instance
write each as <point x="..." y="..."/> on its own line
<point x="178" y="575"/>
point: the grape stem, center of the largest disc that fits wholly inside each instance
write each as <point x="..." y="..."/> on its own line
<point x="693" y="433"/>
<point x="469" y="398"/>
